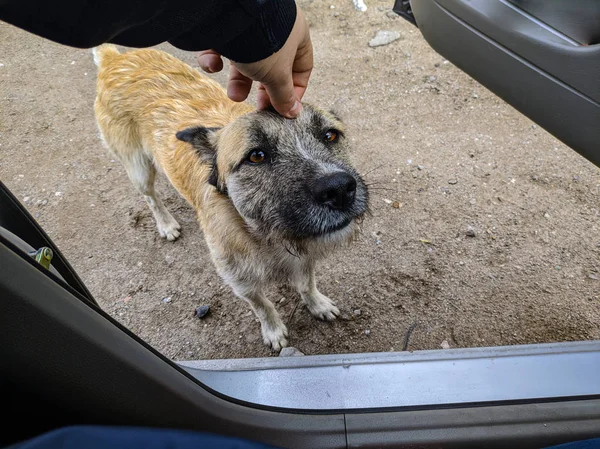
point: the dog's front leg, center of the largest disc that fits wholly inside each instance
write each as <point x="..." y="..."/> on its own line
<point x="274" y="332"/>
<point x="318" y="304"/>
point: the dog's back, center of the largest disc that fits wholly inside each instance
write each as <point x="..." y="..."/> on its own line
<point x="147" y="95"/>
<point x="144" y="97"/>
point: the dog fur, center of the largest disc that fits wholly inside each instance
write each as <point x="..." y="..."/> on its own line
<point x="265" y="222"/>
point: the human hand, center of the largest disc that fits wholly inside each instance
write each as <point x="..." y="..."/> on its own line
<point x="283" y="76"/>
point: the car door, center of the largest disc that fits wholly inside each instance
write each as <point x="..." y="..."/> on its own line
<point x="541" y="57"/>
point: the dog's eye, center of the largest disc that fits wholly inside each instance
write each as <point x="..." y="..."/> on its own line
<point x="257" y="157"/>
<point x="331" y="135"/>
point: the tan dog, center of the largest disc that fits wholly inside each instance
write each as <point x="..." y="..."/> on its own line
<point x="272" y="195"/>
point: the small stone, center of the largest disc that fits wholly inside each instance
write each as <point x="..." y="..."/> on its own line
<point x="546" y="215"/>
<point x="533" y="126"/>
<point x="290" y="352"/>
<point x="357" y="312"/>
<point x="473" y="201"/>
<point x="166" y="299"/>
<point x="470" y="232"/>
<point x="367" y="332"/>
<point x="26" y="199"/>
<point x="452" y="181"/>
<point x="384" y="38"/>
<point x="201" y="311"/>
<point x="386" y="201"/>
<point x="44" y="202"/>
<point x="420" y="167"/>
<point x="391" y="15"/>
<point x="437" y="64"/>
<point x="593" y="276"/>
<point x="475" y="95"/>
<point x="359" y="5"/>
<point x="445" y="345"/>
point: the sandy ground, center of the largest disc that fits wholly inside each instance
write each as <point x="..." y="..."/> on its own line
<point x="455" y="158"/>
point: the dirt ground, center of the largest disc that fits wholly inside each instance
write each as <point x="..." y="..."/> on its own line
<point x="496" y="240"/>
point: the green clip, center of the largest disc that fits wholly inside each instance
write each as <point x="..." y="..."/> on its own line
<point x="43" y="256"/>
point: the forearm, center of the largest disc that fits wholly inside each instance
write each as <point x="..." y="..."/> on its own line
<point x="242" y="30"/>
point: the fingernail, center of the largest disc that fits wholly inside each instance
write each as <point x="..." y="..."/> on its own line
<point x="296" y="109"/>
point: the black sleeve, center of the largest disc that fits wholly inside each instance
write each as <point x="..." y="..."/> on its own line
<point x="241" y="30"/>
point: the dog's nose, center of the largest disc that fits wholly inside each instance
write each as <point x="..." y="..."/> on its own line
<point x="335" y="190"/>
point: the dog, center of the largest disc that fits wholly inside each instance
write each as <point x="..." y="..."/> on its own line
<point x="272" y="195"/>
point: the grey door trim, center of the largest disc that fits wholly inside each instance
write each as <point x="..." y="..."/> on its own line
<point x="419" y="379"/>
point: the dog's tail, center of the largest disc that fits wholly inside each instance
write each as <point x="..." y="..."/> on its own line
<point x="103" y="53"/>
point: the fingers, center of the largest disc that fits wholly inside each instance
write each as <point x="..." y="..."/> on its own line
<point x="280" y="89"/>
<point x="239" y="85"/>
<point x="210" y="61"/>
<point x="262" y="98"/>
<point x="302" y="68"/>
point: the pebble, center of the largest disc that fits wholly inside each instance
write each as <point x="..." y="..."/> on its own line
<point x="386" y="201"/>
<point x="357" y="312"/>
<point x="201" y="311"/>
<point x="593" y="276"/>
<point x="368" y="332"/>
<point x="445" y="345"/>
<point x="452" y="181"/>
<point x="290" y="352"/>
<point x="26" y="199"/>
<point x="384" y="38"/>
<point x="420" y="167"/>
<point x="470" y="232"/>
<point x="391" y="15"/>
<point x="359" y="5"/>
<point x="166" y="299"/>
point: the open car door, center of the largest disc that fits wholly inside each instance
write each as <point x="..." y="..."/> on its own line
<point x="541" y="57"/>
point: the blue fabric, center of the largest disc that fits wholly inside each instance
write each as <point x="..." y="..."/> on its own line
<point x="99" y="437"/>
<point x="584" y="444"/>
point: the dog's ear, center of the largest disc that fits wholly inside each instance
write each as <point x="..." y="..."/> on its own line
<point x="202" y="139"/>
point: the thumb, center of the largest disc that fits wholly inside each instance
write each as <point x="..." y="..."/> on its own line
<point x="280" y="90"/>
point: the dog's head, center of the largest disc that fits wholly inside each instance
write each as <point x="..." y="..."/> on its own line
<point x="286" y="178"/>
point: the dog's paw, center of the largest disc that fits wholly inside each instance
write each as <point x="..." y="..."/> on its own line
<point x="323" y="308"/>
<point x="275" y="337"/>
<point x="169" y="230"/>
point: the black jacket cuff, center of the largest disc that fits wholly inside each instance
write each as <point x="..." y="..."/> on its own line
<point x="265" y="35"/>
